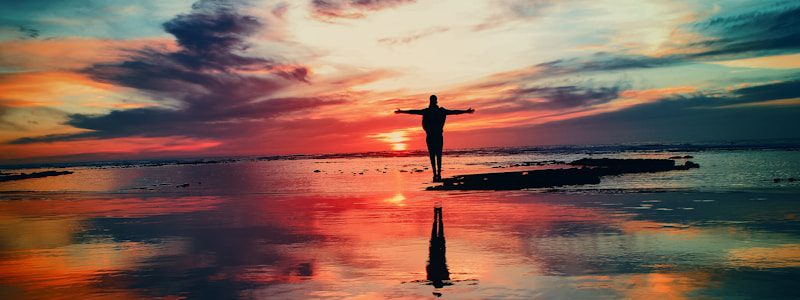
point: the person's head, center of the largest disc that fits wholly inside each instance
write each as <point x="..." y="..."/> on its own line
<point x="434" y="101"/>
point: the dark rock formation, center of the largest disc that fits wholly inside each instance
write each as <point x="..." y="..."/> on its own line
<point x="520" y="180"/>
<point x="612" y="166"/>
<point x="587" y="171"/>
<point x="20" y="176"/>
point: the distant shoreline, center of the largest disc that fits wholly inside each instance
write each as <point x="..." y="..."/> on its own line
<point x="583" y="149"/>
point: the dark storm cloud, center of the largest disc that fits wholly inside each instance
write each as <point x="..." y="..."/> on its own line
<point x="207" y="79"/>
<point x="351" y="9"/>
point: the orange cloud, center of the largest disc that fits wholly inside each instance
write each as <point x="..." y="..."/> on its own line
<point x="128" y="145"/>
<point x="46" y="88"/>
<point x="788" y="61"/>
<point x="71" y="53"/>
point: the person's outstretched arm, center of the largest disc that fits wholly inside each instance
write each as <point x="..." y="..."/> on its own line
<point x="459" y="111"/>
<point x="409" y="111"/>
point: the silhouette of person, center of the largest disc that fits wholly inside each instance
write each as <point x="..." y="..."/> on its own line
<point x="437" y="263"/>
<point x="433" y="119"/>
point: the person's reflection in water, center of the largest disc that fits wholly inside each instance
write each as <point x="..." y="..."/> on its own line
<point x="437" y="271"/>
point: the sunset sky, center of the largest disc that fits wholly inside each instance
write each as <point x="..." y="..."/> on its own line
<point x="92" y="79"/>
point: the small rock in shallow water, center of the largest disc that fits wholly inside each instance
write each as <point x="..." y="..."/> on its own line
<point x="791" y="179"/>
<point x="776" y="180"/>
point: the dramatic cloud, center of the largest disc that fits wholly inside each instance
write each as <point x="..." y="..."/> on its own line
<point x="553" y="98"/>
<point x="776" y="29"/>
<point x="351" y="9"/>
<point x="678" y="118"/>
<point x="603" y="61"/>
<point x="207" y="87"/>
<point x="763" y="32"/>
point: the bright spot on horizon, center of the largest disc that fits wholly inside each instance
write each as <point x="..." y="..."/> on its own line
<point x="395" y="138"/>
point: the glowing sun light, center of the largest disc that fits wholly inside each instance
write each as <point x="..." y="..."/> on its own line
<point x="395" y="139"/>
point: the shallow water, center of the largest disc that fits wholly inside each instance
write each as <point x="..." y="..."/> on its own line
<point x="278" y="230"/>
<point x="720" y="171"/>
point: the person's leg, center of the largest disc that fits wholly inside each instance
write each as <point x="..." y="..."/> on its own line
<point x="432" y="154"/>
<point x="439" y="147"/>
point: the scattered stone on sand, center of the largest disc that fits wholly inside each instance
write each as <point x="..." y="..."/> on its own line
<point x="317" y="171"/>
<point x="183" y="185"/>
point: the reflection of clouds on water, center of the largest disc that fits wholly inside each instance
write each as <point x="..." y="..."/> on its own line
<point x="76" y="269"/>
<point x="303" y="245"/>
<point x="646" y="286"/>
<point x="46" y="246"/>
<point x="781" y="256"/>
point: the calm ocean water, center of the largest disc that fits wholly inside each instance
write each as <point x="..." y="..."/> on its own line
<point x="363" y="227"/>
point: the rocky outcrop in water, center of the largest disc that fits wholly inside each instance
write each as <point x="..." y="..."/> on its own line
<point x="20" y="176"/>
<point x="586" y="171"/>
